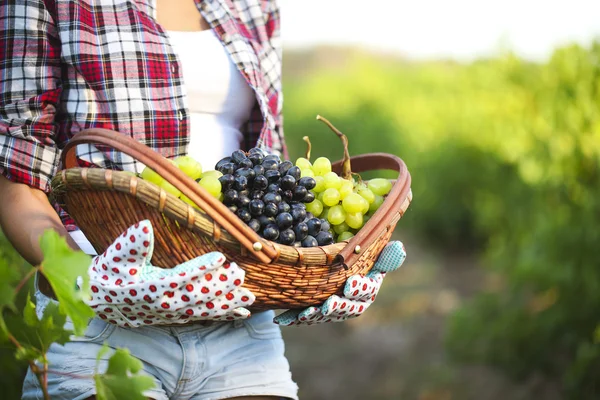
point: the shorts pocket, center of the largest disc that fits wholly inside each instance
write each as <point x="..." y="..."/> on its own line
<point x="261" y="326"/>
<point x="96" y="331"/>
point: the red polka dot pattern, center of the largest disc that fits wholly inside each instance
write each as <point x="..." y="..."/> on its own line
<point x="150" y="291"/>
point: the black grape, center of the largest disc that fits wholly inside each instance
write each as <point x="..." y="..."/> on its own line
<point x="247" y="172"/>
<point x="270" y="209"/>
<point x="222" y="162"/>
<point x="324" y="238"/>
<point x="285" y="166"/>
<point x="270" y="165"/>
<point x="273" y="187"/>
<point x="271" y="232"/>
<point x="244" y="215"/>
<point x="273" y="157"/>
<point x="308" y="182"/>
<point x="247" y="163"/>
<point x="284" y="220"/>
<point x="298" y="214"/>
<point x="256" y="158"/>
<point x="283" y="207"/>
<point x="238" y="155"/>
<point x="240" y="183"/>
<point x="272" y="198"/>
<point x="260" y="182"/>
<point x="272" y="175"/>
<point x="314" y="226"/>
<point x="287" y="182"/>
<point x="256" y="194"/>
<point x="287" y="237"/>
<point x="295" y="172"/>
<point x="287" y="195"/>
<point x="259" y="170"/>
<point x="227" y="168"/>
<point x="309" y="198"/>
<point x="230" y="197"/>
<point x="265" y="221"/>
<point x="299" y="193"/>
<point x="243" y="201"/>
<point x="226" y="182"/>
<point x="325" y="225"/>
<point x="254" y="225"/>
<point x="301" y="231"/>
<point x="256" y="207"/>
<point x="309" y="241"/>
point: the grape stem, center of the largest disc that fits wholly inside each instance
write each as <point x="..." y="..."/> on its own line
<point x="308" y="147"/>
<point x="346" y="167"/>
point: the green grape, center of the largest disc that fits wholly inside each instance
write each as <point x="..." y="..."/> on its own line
<point x="380" y="186"/>
<point x="320" y="196"/>
<point x="340" y="228"/>
<point x="320" y="184"/>
<point x="344" y="236"/>
<point x="187" y="200"/>
<point x="321" y="166"/>
<point x="212" y="185"/>
<point x="366" y="218"/>
<point x="324" y="213"/>
<point x="170" y="188"/>
<point x="303" y="163"/>
<point x="365" y="205"/>
<point x="336" y="215"/>
<point x="332" y="180"/>
<point x="353" y="203"/>
<point x="354" y="220"/>
<point x="376" y="203"/>
<point x="367" y="194"/>
<point x="331" y="197"/>
<point x="151" y="176"/>
<point x="216" y="174"/>
<point x="315" y="207"/>
<point x="345" y="188"/>
<point x="307" y="172"/>
<point x="189" y="166"/>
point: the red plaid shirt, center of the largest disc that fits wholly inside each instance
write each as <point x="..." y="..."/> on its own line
<point x="70" y="65"/>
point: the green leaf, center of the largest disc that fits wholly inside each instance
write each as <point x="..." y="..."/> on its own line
<point x="62" y="266"/>
<point x="27" y="353"/>
<point x="37" y="333"/>
<point x="10" y="279"/>
<point x="121" y="379"/>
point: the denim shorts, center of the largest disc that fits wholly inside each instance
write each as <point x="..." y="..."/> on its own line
<point x="214" y="361"/>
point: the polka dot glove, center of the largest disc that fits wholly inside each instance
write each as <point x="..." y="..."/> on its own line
<point x="128" y="291"/>
<point x="359" y="293"/>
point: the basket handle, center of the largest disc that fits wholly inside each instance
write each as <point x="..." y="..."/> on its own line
<point x="391" y="206"/>
<point x="211" y="206"/>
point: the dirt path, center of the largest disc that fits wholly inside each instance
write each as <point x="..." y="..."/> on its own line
<point x="395" y="350"/>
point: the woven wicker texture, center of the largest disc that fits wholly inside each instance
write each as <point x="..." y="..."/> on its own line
<point x="105" y="203"/>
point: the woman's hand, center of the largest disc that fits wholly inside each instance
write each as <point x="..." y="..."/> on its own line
<point x="359" y="293"/>
<point x="128" y="291"/>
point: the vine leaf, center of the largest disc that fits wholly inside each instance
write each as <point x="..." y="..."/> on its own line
<point x="62" y="266"/>
<point x="121" y="380"/>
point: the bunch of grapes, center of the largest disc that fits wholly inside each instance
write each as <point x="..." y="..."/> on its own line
<point x="209" y="180"/>
<point x="347" y="204"/>
<point x="270" y="196"/>
<point x="306" y="204"/>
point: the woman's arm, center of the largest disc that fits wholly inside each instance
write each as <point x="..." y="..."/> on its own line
<point x="30" y="72"/>
<point x="25" y="213"/>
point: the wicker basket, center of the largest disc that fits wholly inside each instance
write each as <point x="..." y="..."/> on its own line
<point x="104" y="203"/>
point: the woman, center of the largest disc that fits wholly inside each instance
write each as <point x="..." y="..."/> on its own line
<point x="70" y="65"/>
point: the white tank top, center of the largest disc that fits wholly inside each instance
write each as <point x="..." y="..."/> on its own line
<point x="219" y="101"/>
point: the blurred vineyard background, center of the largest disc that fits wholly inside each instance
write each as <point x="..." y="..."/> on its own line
<point x="500" y="295"/>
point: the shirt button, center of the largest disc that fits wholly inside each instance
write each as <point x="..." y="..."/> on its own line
<point x="173" y="68"/>
<point x="180" y="115"/>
